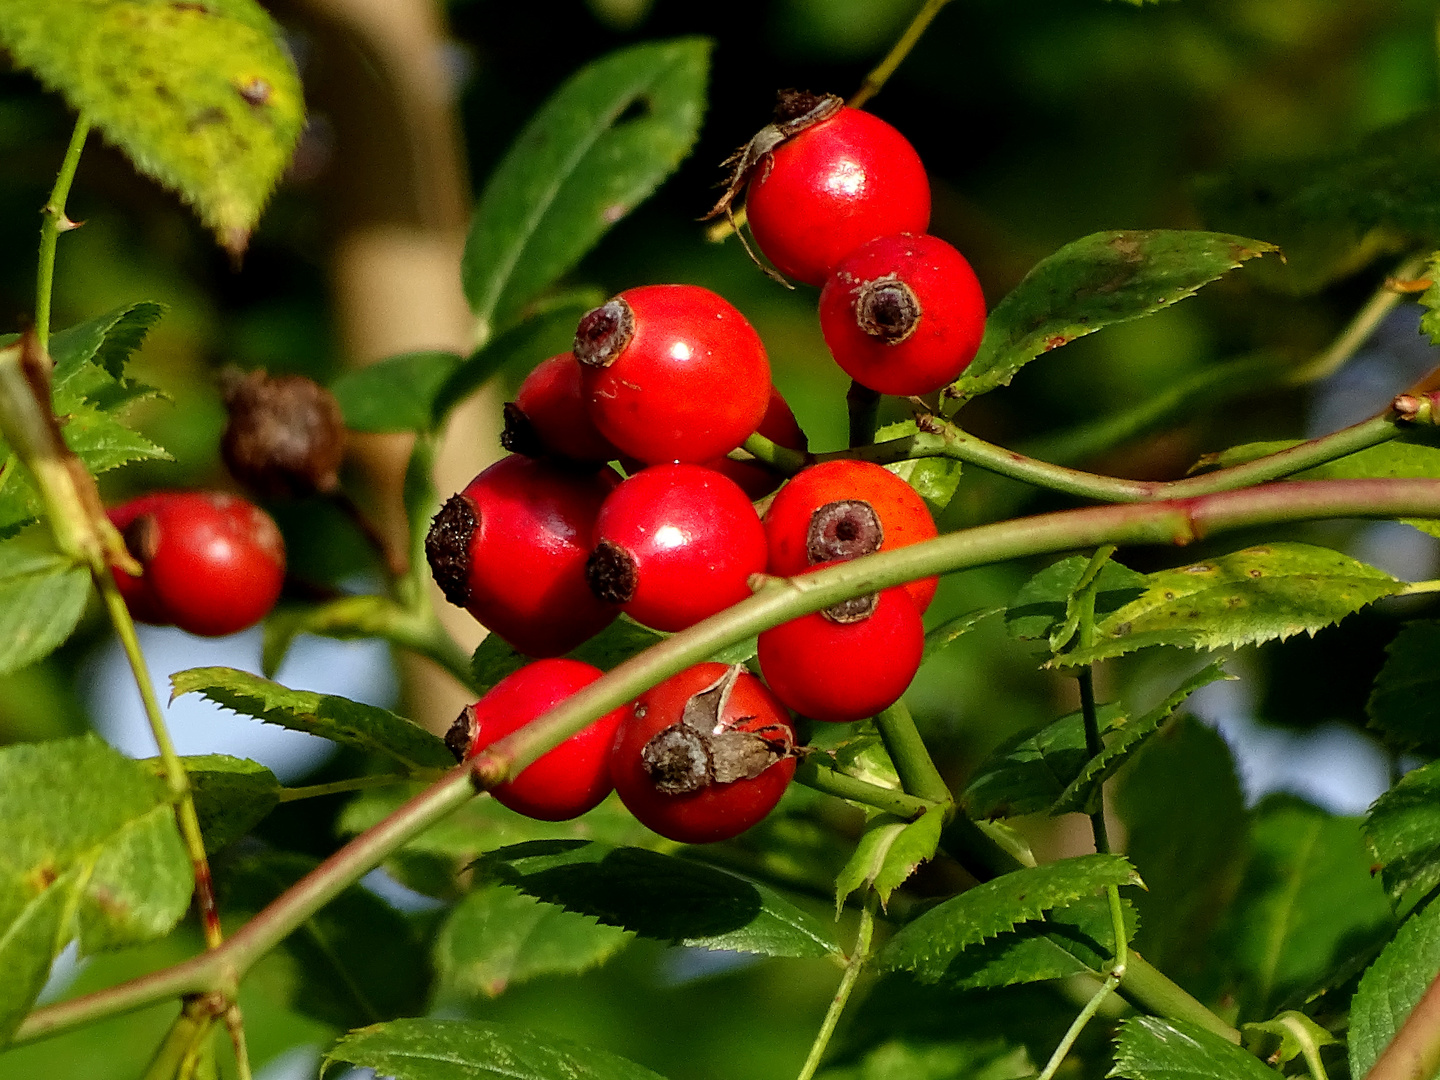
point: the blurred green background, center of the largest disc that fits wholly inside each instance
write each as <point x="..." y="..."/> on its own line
<point x="1039" y="122"/>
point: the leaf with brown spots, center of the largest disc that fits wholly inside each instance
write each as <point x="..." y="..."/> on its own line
<point x="1098" y="280"/>
<point x="1244" y="598"/>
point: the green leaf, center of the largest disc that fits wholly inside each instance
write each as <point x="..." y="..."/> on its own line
<point x="1076" y="939"/>
<point x="1398" y="458"/>
<point x="104" y="443"/>
<point x="88" y="849"/>
<point x="338" y="719"/>
<point x="108" y="341"/>
<point x="1391" y="987"/>
<point x="355" y="961"/>
<point x="202" y="97"/>
<point x="548" y="332"/>
<point x="1029" y="772"/>
<point x="1250" y="596"/>
<point x="1430" y="301"/>
<point x="1098" y="280"/>
<point x="1335" y="212"/>
<point x="1126" y="737"/>
<point x="1040" y="606"/>
<point x="498" y="936"/>
<point x="1294" y="1030"/>
<point x="661" y="896"/>
<point x="1404" y="703"/>
<point x="232" y="795"/>
<point x="1186" y="826"/>
<point x="346" y="619"/>
<point x="1306" y="904"/>
<point x="42" y="595"/>
<point x="951" y="630"/>
<point x="889" y="851"/>
<point x="928" y="945"/>
<point x="396" y="394"/>
<point x="601" y="144"/>
<point x="1403" y="834"/>
<point x="934" y="479"/>
<point x="1153" y="1049"/>
<point x="907" y="1059"/>
<point x="423" y="1049"/>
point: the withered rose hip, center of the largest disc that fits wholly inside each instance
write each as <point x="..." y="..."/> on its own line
<point x="285" y="436"/>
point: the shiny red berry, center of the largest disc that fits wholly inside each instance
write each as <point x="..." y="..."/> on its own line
<point x="674" y="544"/>
<point x="564" y="782"/>
<point x="548" y="416"/>
<point x="705" y="755"/>
<point x="846" y="662"/>
<point x="844" y="509"/>
<point x="903" y="314"/>
<point x="511" y="550"/>
<point x="213" y="563"/>
<point x="780" y="427"/>
<point x="837" y="184"/>
<point x="672" y="373"/>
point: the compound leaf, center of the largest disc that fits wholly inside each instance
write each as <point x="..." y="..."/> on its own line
<point x="338" y="719"/>
<point x="1391" y="987"/>
<point x="201" y="96"/>
<point x="1258" y="594"/>
<point x="424" y="1049"/>
<point x="928" y="945"/>
<point x="597" y="148"/>
<point x="661" y="896"/>
<point x="1094" y="282"/>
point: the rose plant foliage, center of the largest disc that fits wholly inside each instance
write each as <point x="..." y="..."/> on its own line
<point x="1086" y="893"/>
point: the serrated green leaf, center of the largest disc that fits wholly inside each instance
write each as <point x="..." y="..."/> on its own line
<point x="104" y="443"/>
<point x="1153" y="1049"/>
<point x="906" y="1059"/>
<point x="582" y="163"/>
<point x="1029" y="772"/>
<point x="106" y="341"/>
<point x="1391" y="987"/>
<point x="202" y="97"/>
<point x="88" y="849"/>
<point x="497" y="937"/>
<point x="1398" y="458"/>
<point x="339" y="719"/>
<point x="355" y="961"/>
<point x="1186" y="828"/>
<point x="1294" y="1031"/>
<point x="1402" y="831"/>
<point x="42" y="594"/>
<point x="1258" y="594"/>
<point x="661" y="896"/>
<point x="1094" y="282"/>
<point x="928" y="945"/>
<point x="1040" y="605"/>
<point x="232" y="795"/>
<point x="1333" y="213"/>
<point x="889" y="851"/>
<point x="1126" y="737"/>
<point x="951" y="630"/>
<point x="395" y="394"/>
<point x="546" y="333"/>
<point x="424" y="1049"/>
<point x="1404" y="703"/>
<point x="1306" y="904"/>
<point x="934" y="479"/>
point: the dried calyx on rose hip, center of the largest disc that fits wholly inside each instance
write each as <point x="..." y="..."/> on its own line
<point x="565" y="781"/>
<point x="549" y="417"/>
<point x="704" y="755"/>
<point x="821" y="180"/>
<point x="511" y="550"/>
<point x="284" y="436"/>
<point x="903" y="314"/>
<point x="212" y="563"/>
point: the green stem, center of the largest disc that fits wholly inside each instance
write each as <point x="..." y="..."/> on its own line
<point x="1085" y="625"/>
<point x="183" y="1043"/>
<point x="901" y="49"/>
<point x="858" y="956"/>
<point x="1179" y="522"/>
<point x="52" y="223"/>
<point x="1307" y="1047"/>
<point x="1077" y="1026"/>
<point x="337" y="787"/>
<point x="1122" y="941"/>
<point x="819" y="777"/>
<point x="907" y="750"/>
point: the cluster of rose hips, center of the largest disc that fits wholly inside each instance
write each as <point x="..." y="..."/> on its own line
<point x="550" y="545"/>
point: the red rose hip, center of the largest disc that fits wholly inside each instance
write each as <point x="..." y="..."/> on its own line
<point x="548" y="416"/>
<point x="511" y="550"/>
<point x="674" y="544"/>
<point x="704" y="755"/>
<point x="563" y="782"/>
<point x="903" y="314"/>
<point x="672" y="373"/>
<point x="780" y="427"/>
